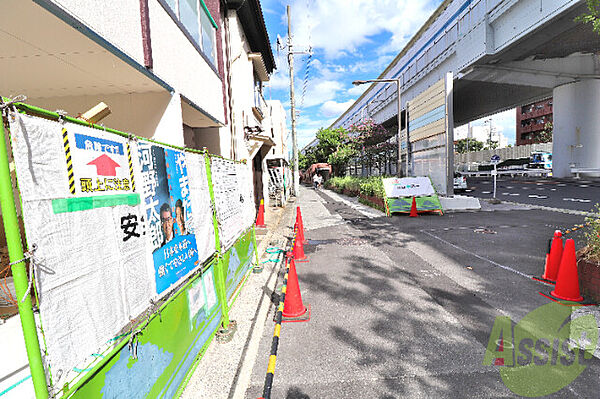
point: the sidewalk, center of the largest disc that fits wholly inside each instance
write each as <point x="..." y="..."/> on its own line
<point x="225" y="367"/>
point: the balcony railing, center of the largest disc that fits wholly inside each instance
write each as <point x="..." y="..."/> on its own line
<point x="260" y="105"/>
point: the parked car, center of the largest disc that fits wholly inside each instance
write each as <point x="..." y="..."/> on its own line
<point x="460" y="182"/>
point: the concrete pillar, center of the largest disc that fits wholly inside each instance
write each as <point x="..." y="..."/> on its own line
<point x="576" y="136"/>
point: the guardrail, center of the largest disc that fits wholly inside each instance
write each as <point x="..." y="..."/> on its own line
<point x="577" y="171"/>
<point x="512" y="172"/>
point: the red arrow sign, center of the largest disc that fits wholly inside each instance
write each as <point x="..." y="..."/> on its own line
<point x="105" y="166"/>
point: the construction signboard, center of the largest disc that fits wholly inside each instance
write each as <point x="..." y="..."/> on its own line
<point x="401" y="191"/>
<point x="118" y="224"/>
<point x="97" y="165"/>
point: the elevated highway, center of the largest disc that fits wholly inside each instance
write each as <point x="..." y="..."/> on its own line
<point x="502" y="54"/>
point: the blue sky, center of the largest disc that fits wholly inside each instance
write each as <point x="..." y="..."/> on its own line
<point x="351" y="40"/>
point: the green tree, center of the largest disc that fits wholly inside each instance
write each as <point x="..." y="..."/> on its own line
<point x="463" y="146"/>
<point x="329" y="142"/>
<point x="592" y="16"/>
<point x="491" y="145"/>
<point x="303" y="162"/>
<point x="340" y="158"/>
<point x="545" y="136"/>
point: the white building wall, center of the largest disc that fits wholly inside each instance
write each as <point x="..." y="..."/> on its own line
<point x="170" y="127"/>
<point x="155" y="115"/>
<point x="277" y="121"/>
<point x="117" y="21"/>
<point x="180" y="64"/>
<point x="481" y="133"/>
<point x="242" y="85"/>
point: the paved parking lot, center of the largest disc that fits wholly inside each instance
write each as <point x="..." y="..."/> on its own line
<point x="573" y="194"/>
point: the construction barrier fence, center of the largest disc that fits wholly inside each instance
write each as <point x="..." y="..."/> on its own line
<point x="140" y="249"/>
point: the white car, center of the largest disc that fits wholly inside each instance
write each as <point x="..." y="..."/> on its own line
<point x="460" y="182"/>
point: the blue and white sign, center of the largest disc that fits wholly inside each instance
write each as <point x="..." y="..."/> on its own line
<point x="168" y="212"/>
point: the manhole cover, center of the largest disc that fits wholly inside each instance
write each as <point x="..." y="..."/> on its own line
<point x="484" y="231"/>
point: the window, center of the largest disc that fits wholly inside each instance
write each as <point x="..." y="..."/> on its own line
<point x="195" y="20"/>
<point x="258" y="100"/>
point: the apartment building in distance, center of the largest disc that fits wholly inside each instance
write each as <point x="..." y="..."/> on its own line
<point x="532" y="120"/>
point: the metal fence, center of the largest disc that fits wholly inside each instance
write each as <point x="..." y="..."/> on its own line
<point x="521" y="151"/>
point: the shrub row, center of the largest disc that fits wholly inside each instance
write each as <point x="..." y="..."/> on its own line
<point x="353" y="186"/>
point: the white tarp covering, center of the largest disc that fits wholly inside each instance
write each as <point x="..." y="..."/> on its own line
<point x="234" y="198"/>
<point x="408" y="187"/>
<point x="86" y="207"/>
<point x="91" y="281"/>
<point x="203" y="212"/>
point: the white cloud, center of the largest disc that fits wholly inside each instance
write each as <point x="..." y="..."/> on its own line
<point x="357" y="90"/>
<point x="332" y="108"/>
<point x="319" y="92"/>
<point x="339" y="27"/>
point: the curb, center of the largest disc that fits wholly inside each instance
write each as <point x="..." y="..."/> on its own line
<point x="549" y="208"/>
<point x="244" y="370"/>
<point x="224" y="371"/>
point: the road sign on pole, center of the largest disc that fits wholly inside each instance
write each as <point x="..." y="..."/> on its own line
<point x="495" y="159"/>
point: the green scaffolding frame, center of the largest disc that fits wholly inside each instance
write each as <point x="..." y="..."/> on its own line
<point x="17" y="259"/>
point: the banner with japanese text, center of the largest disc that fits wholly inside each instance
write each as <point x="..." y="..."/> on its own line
<point x="168" y="212"/>
<point x="117" y="224"/>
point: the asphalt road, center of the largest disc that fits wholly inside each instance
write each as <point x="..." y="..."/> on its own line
<point x="403" y="307"/>
<point x="581" y="195"/>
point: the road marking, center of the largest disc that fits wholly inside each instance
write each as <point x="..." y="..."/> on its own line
<point x="552" y="189"/>
<point x="514" y="195"/>
<point x="510" y="187"/>
<point x="486" y="192"/>
<point x="583" y="200"/>
<point x="583" y="185"/>
<point x="468" y="191"/>
<point x="540" y="189"/>
<point x="538" y="196"/>
<point x="508" y="268"/>
<point x="562" y="185"/>
<point x="505" y="193"/>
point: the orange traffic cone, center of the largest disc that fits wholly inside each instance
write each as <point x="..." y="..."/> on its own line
<point x="299" y="255"/>
<point x="293" y="308"/>
<point x="300" y="225"/>
<point x="553" y="260"/>
<point x="299" y="233"/>
<point x="567" y="284"/>
<point x="413" y="209"/>
<point x="260" y="218"/>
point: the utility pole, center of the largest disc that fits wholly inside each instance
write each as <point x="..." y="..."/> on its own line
<point x="293" y="105"/>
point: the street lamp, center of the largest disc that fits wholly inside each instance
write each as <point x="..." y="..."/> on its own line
<point x="399" y="85"/>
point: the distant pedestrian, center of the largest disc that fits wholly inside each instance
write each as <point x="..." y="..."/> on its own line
<point x="317" y="181"/>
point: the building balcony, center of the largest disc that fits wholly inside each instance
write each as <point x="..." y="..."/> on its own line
<point x="260" y="107"/>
